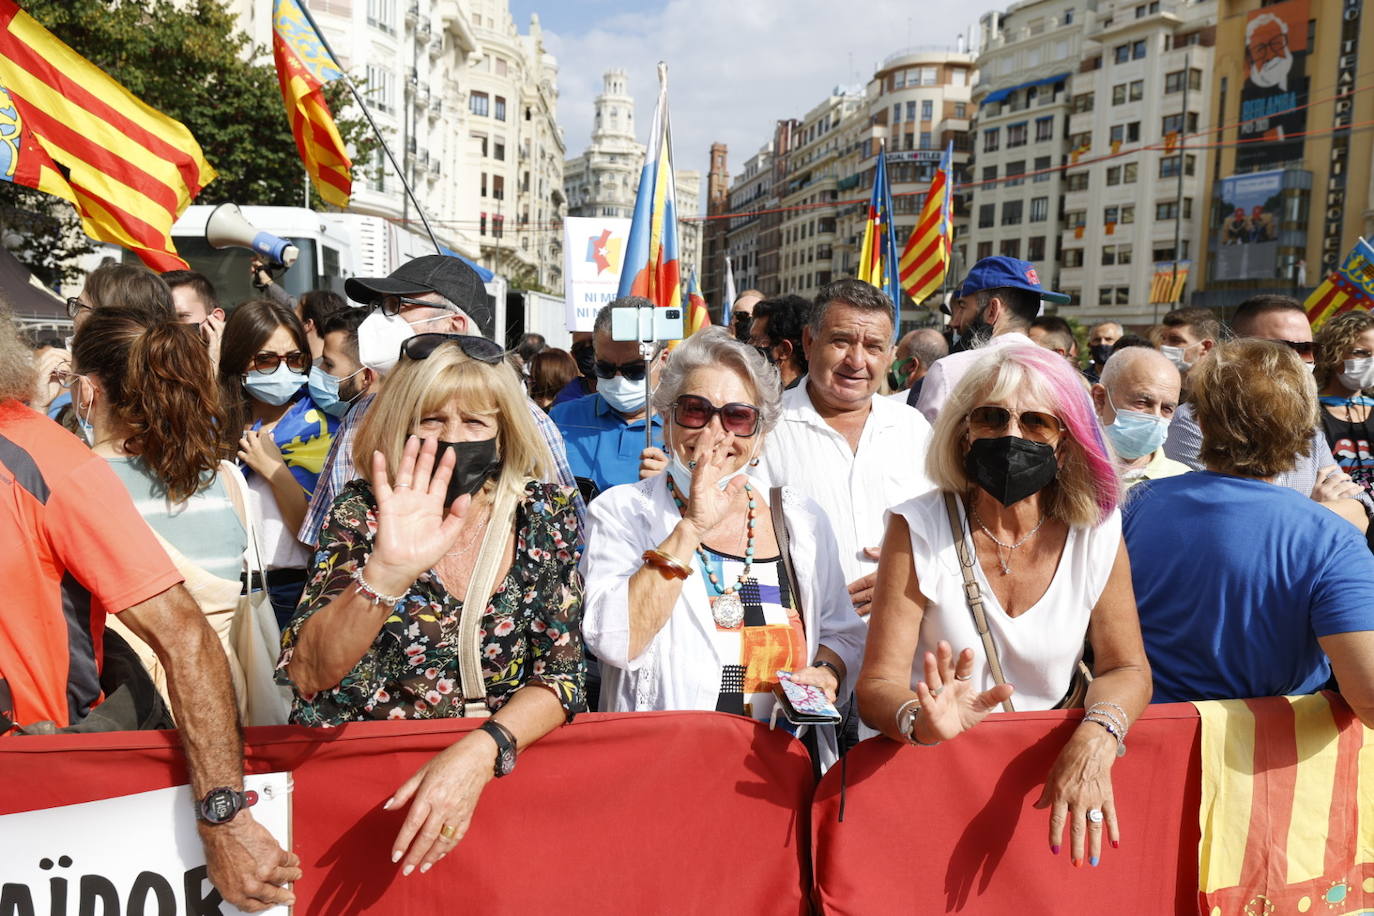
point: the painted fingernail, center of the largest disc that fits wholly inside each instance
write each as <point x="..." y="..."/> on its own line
<point x="405" y="872"/>
<point x="1093" y="861"/>
<point x="386" y="805"/>
<point x="1077" y="863"/>
<point x="395" y="856"/>
<point x="424" y="868"/>
<point x="1116" y="844"/>
<point x="1054" y="850"/>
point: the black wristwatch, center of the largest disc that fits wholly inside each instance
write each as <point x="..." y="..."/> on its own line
<point x="505" y="747"/>
<point x="221" y="805"/>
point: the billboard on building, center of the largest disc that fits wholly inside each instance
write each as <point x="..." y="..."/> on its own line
<point x="1249" y="209"/>
<point x="594" y="252"/>
<point x="1275" y="88"/>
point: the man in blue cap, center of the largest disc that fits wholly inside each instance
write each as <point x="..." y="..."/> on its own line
<point x="999" y="299"/>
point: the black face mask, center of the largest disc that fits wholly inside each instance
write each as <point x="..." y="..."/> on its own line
<point x="585" y="354"/>
<point x="1010" y="468"/>
<point x="475" y="463"/>
<point x="1100" y="352"/>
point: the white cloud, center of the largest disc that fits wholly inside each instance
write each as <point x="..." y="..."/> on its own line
<point x="736" y="66"/>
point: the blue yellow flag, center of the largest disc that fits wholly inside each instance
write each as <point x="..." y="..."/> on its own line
<point x="878" y="256"/>
<point x="697" y="316"/>
<point x="1349" y="286"/>
<point x="651" y="265"/>
<point x="303" y="67"/>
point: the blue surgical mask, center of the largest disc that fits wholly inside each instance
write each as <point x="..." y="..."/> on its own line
<point x="87" y="427"/>
<point x="275" y="387"/>
<point x="623" y="395"/>
<point x="324" y="391"/>
<point x="1134" y="434"/>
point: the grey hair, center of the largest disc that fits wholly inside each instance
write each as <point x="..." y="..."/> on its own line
<point x="714" y="348"/>
<point x="928" y="345"/>
<point x="851" y="292"/>
<point x="1120" y="362"/>
<point x="602" y="325"/>
<point x="16" y="361"/>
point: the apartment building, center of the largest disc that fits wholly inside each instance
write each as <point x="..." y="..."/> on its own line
<point x="749" y="190"/>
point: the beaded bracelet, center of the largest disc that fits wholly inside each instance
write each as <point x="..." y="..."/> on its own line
<point x="1111" y="730"/>
<point x="371" y="594"/>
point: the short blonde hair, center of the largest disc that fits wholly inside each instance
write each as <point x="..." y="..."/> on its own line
<point x="417" y="387"/>
<point x="1087" y="487"/>
<point x="1256" y="404"/>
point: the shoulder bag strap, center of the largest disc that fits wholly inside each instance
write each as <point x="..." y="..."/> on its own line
<point x="237" y="488"/>
<point x="481" y="584"/>
<point x="974" y="595"/>
<point x="784" y="545"/>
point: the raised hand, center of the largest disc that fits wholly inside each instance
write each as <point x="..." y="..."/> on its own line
<point x="708" y="505"/>
<point x="950" y="704"/>
<point x="414" y="527"/>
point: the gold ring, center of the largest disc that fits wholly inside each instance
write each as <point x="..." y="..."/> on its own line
<point x="448" y="831"/>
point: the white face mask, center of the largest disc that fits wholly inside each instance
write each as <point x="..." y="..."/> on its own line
<point x="623" y="395"/>
<point x="380" y="337"/>
<point x="1358" y="374"/>
<point x="1176" y="355"/>
<point x="682" y="475"/>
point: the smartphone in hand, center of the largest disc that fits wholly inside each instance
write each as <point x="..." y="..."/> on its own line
<point x="804" y="704"/>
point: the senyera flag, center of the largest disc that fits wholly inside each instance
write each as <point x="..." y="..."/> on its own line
<point x="925" y="260"/>
<point x="1349" y="286"/>
<point x="303" y="67"/>
<point x="72" y="131"/>
<point x="697" y="316"/>
<point x="878" y="256"/>
<point x="651" y="266"/>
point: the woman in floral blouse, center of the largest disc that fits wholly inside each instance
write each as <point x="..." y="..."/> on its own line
<point x="376" y="633"/>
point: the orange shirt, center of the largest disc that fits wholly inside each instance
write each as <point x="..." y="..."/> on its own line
<point x="72" y="548"/>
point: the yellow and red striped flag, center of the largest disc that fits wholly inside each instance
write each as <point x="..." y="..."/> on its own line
<point x="303" y="67"/>
<point x="1287" y="813"/>
<point x="1349" y="286"/>
<point x="1167" y="283"/>
<point x="129" y="170"/>
<point x="925" y="260"/>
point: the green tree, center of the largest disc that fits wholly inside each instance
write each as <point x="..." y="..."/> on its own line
<point x="192" y="63"/>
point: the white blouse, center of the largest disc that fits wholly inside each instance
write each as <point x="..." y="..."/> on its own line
<point x="1039" y="648"/>
<point x="681" y="666"/>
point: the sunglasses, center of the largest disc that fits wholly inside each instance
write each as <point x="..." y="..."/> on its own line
<point x="691" y="411"/>
<point x="421" y="346"/>
<point x="394" y="305"/>
<point x="633" y="370"/>
<point x="296" y="361"/>
<point x="1035" y="425"/>
<point x="75" y="306"/>
<point x="1301" y="347"/>
<point x="767" y="354"/>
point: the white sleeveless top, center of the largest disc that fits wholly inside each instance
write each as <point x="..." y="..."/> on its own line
<point x="1040" y="648"/>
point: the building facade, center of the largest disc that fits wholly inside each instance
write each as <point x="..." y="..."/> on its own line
<point x="714" y="230"/>
<point x="749" y="190"/>
<point x="603" y="180"/>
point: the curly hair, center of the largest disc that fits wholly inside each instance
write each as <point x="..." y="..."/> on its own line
<point x="1335" y="339"/>
<point x="159" y="382"/>
<point x="1256" y="405"/>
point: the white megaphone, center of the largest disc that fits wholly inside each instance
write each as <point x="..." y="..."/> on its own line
<point x="227" y="228"/>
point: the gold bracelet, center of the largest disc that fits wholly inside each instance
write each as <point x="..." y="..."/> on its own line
<point x="669" y="564"/>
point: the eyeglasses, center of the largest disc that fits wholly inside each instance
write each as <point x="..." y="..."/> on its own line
<point x="75" y="307"/>
<point x="65" y="378"/>
<point x="633" y="370"/>
<point x="296" y="361"/>
<point x="394" y="305"/>
<point x="1036" y="425"/>
<point x="691" y="411"/>
<point x="421" y="346"/>
<point x="1301" y="347"/>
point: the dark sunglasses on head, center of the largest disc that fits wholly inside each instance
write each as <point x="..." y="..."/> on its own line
<point x="691" y="411"/>
<point x="1301" y="347"/>
<point x="633" y="370"/>
<point x="394" y="305"/>
<point x="75" y="306"/>
<point x="1035" y="425"/>
<point x="479" y="348"/>
<point x="296" y="361"/>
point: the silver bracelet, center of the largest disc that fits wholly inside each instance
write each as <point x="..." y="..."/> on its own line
<point x="1112" y="730"/>
<point x="910" y="732"/>
<point x="1112" y="705"/>
<point x="371" y="594"/>
<point x="1109" y="716"/>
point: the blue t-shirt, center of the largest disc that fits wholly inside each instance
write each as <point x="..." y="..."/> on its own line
<point x="1235" y="579"/>
<point x="601" y="445"/>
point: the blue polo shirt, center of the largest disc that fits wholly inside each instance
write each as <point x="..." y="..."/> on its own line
<point x="601" y="445"/>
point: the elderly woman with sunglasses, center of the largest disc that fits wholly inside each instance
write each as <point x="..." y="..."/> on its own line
<point x="688" y="602"/>
<point x="453" y="460"/>
<point x="1026" y="479"/>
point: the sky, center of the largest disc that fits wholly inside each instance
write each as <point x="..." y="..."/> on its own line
<point x="734" y="66"/>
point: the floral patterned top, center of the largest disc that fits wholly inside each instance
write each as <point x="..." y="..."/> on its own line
<point x="531" y="632"/>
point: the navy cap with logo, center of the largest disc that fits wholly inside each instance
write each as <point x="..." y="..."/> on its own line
<point x="448" y="276"/>
<point x="999" y="272"/>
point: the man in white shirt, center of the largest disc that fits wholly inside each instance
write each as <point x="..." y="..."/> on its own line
<point x="838" y="441"/>
<point x="998" y="301"/>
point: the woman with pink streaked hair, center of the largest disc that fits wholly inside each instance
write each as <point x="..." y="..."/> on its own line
<point x="1025" y="476"/>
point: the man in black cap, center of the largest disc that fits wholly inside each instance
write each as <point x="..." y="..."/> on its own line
<point x="434" y="294"/>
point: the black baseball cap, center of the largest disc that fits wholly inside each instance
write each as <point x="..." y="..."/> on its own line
<point x="448" y="276"/>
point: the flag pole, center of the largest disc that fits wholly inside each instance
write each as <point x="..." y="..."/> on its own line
<point x="358" y="97"/>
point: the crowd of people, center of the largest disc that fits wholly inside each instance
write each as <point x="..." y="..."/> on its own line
<point x="920" y="530"/>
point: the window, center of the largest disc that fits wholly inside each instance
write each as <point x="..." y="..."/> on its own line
<point x="1108" y="256"/>
<point x="1176" y="124"/>
<point x="1035" y="248"/>
<point x="1119" y="214"/>
<point x="1075" y="219"/>
<point x="987" y="216"/>
<point x="989" y="173"/>
<point x="929" y="76"/>
<point x="1068" y="16"/>
<point x="1039" y="209"/>
<point x="381" y="87"/>
<point x="927" y="140"/>
<point x="957" y="77"/>
<point x="960" y="108"/>
<point x="1011" y="212"/>
<point x="500" y="114"/>
<point x="1128" y="172"/>
<point x="1081" y="103"/>
<point x="1073" y="257"/>
<point x="984" y="250"/>
<point x="1169" y="165"/>
<point x="498" y="187"/>
<point x="1016" y="134"/>
<point x="482" y="225"/>
<point x="1044" y="129"/>
<point x="1104" y="296"/>
<point x="381" y="14"/>
<point x="1121" y="54"/>
<point x="478" y="103"/>
<point x="1168" y="209"/>
<point x="927" y="109"/>
<point x="1127" y="133"/>
<point x="484" y="184"/>
<point x="991" y="136"/>
<point x="1135" y="90"/>
<point x="1042" y="168"/>
<point x="1014" y="171"/>
<point x="1078" y="181"/>
<point x="1173" y="82"/>
<point x="501" y="66"/>
<point x="1119" y="94"/>
<point x="1082" y="140"/>
<point x="1138" y="49"/>
<point x="896" y="112"/>
<point x="1113" y="175"/>
<point x="1011" y="248"/>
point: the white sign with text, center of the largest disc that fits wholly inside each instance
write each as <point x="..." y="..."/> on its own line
<point x="594" y="253"/>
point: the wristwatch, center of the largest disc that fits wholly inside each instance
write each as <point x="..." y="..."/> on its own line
<point x="505" y="747"/>
<point x="219" y="806"/>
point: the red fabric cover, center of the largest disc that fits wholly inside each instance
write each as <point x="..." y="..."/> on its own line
<point x="950" y="829"/>
<point x="643" y="813"/>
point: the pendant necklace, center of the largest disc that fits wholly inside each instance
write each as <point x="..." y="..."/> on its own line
<point x="1006" y="569"/>
<point x="726" y="607"/>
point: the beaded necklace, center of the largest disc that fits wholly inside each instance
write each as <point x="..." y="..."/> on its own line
<point x="726" y="607"/>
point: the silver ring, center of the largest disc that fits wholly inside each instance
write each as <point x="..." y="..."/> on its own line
<point x="692" y="465"/>
<point x="963" y="677"/>
<point x="1095" y="815"/>
<point x="936" y="691"/>
<point x="401" y="486"/>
